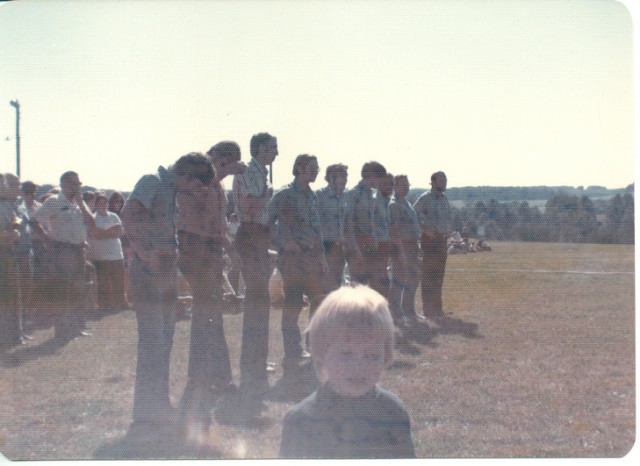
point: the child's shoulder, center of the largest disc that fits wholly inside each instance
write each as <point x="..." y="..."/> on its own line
<point x="306" y="406"/>
<point x="389" y="400"/>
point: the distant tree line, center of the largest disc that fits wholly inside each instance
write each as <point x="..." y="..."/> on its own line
<point x="565" y="217"/>
<point x="470" y="194"/>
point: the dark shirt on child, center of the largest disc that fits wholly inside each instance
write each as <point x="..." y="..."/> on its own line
<point x="328" y="425"/>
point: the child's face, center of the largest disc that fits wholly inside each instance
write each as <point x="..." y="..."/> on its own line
<point x="354" y="365"/>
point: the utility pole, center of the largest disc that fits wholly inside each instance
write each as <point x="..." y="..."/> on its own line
<point x="15" y="104"/>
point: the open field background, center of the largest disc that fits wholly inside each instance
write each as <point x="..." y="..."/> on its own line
<point x="534" y="358"/>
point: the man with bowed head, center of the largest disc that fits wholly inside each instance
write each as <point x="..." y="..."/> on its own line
<point x="148" y="219"/>
<point x="202" y="238"/>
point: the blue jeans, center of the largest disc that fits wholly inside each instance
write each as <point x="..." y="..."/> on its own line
<point x="154" y="299"/>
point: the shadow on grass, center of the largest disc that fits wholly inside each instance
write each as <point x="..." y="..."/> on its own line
<point x="446" y="325"/>
<point x="159" y="444"/>
<point x="246" y="411"/>
<point x="409" y="340"/>
<point x="24" y="354"/>
<point x="243" y="413"/>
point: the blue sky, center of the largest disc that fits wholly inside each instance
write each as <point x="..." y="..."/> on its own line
<point x="495" y="92"/>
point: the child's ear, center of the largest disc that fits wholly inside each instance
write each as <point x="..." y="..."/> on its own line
<point x="320" y="372"/>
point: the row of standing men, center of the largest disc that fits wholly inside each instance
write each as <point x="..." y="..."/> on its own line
<point x="316" y="234"/>
<point x="175" y="219"/>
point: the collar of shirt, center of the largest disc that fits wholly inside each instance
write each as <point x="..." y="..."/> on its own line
<point x="63" y="201"/>
<point x="361" y="188"/>
<point x="306" y="190"/>
<point x="333" y="194"/>
<point x="257" y="166"/>
<point x="403" y="202"/>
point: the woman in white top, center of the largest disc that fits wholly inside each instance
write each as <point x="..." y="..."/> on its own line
<point x="106" y="254"/>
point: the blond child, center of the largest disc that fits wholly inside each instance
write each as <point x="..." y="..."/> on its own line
<point x="349" y="416"/>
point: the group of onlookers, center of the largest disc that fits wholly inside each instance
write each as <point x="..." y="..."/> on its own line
<point x="52" y="247"/>
<point x="175" y="222"/>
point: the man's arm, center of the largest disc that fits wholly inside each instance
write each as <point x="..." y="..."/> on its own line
<point x="421" y="207"/>
<point x="134" y="218"/>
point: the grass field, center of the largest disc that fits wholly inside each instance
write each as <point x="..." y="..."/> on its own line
<point x="534" y="358"/>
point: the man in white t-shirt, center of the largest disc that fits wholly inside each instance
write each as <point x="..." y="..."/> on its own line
<point x="66" y="220"/>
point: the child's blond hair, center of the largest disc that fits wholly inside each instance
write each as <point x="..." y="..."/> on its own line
<point x="353" y="310"/>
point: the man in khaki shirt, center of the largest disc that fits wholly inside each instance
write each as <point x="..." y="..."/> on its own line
<point x="434" y="216"/>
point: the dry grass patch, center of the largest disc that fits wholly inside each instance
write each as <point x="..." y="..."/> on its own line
<point x="534" y="358"/>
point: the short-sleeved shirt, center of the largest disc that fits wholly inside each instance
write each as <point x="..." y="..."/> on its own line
<point x="401" y="213"/>
<point x="203" y="212"/>
<point x="7" y="213"/>
<point x="327" y="425"/>
<point x="433" y="212"/>
<point x="156" y="230"/>
<point x="295" y="208"/>
<point x="63" y="219"/>
<point x="332" y="209"/>
<point x="253" y="182"/>
<point x="366" y="213"/>
<point x="381" y="218"/>
<point x="106" y="249"/>
<point x="13" y="209"/>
